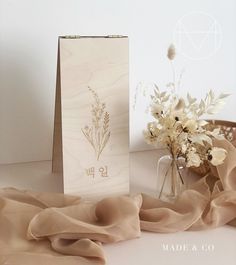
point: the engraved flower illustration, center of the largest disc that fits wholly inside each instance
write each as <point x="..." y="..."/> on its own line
<point x="98" y="133"/>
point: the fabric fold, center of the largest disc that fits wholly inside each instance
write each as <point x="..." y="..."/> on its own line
<point x="55" y="229"/>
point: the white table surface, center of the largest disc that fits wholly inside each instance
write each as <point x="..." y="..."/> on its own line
<point x="150" y="248"/>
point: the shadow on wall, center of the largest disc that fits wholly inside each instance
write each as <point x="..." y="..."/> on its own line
<point x="27" y="88"/>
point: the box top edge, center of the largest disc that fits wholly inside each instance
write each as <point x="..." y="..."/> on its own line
<point x="95" y="36"/>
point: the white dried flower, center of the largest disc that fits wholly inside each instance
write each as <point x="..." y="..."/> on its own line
<point x="156" y="110"/>
<point x="216" y="134"/>
<point x="149" y="138"/>
<point x="179" y="104"/>
<point x="190" y="126"/>
<point x="217" y="156"/>
<point x="171" y="52"/>
<point x="193" y="159"/>
<point x="184" y="148"/>
<point x="201" y="138"/>
<point x="150" y="135"/>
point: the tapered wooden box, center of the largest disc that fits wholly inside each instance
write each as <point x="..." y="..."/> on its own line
<point x="91" y="133"/>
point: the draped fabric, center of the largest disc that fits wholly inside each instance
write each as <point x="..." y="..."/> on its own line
<point x="55" y="229"/>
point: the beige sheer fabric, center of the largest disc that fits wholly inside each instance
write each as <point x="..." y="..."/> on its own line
<point x="56" y="229"/>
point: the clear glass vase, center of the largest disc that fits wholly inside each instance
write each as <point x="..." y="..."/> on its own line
<point x="171" y="177"/>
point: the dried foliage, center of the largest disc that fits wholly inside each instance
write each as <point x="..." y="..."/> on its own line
<point x="98" y="134"/>
<point x="179" y="126"/>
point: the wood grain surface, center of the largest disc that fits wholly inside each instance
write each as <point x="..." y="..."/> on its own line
<point x="94" y="90"/>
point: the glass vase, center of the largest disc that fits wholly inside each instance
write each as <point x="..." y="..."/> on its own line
<point x="171" y="177"/>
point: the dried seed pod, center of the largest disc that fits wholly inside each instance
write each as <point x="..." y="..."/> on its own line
<point x="171" y="52"/>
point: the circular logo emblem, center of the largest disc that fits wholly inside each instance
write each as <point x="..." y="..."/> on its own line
<point x="197" y="35"/>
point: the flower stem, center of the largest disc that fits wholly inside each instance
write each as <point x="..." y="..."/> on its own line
<point x="173" y="72"/>
<point x="165" y="177"/>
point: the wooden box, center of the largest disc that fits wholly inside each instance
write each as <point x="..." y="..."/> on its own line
<point x="91" y="132"/>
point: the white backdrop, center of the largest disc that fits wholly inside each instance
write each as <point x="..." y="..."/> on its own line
<point x="28" y="49"/>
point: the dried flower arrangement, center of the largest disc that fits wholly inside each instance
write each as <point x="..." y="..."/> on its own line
<point x="98" y="134"/>
<point x="179" y="125"/>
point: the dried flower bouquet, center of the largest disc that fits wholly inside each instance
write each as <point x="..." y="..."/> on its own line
<point x="179" y="126"/>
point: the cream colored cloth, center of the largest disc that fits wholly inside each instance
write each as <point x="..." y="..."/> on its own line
<point x="55" y="229"/>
